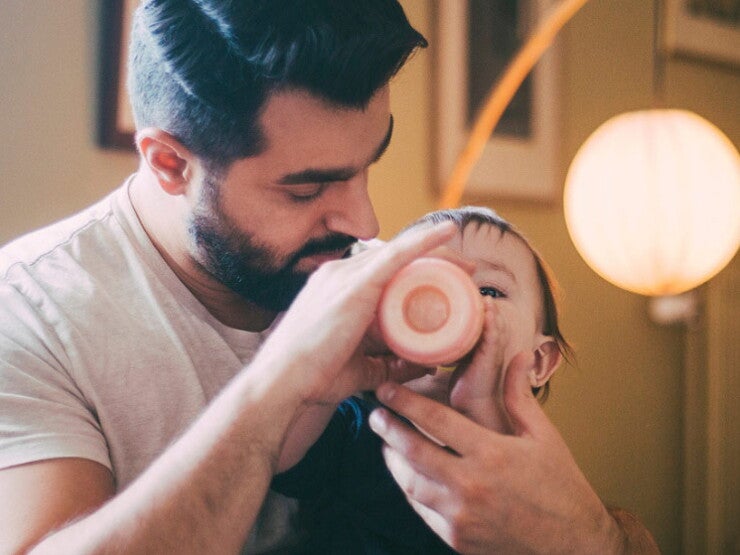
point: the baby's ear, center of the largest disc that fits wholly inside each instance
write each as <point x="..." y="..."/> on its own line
<point x="547" y="358"/>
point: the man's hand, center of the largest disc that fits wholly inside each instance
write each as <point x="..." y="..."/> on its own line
<point x="320" y="338"/>
<point x="487" y="492"/>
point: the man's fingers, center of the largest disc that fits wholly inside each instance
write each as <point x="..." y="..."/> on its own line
<point x="446" y="253"/>
<point x="395" y="254"/>
<point x="417" y="487"/>
<point x="425" y="472"/>
<point x="378" y="370"/>
<point x="439" y="421"/>
<point x="434" y="520"/>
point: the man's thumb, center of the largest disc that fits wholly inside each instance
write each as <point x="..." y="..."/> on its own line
<point x="522" y="407"/>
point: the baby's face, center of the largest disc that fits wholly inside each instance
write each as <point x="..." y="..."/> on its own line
<point x="504" y="269"/>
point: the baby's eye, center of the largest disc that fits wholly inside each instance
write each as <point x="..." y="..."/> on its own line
<point x="492" y="292"/>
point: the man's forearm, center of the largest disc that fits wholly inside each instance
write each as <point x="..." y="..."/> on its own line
<point x="306" y="429"/>
<point x="205" y="491"/>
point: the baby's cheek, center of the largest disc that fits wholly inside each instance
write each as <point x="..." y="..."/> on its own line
<point x="512" y="334"/>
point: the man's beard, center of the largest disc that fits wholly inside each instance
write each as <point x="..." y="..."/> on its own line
<point x="241" y="263"/>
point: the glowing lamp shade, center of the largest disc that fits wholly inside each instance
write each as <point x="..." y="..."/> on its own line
<point x="652" y="201"/>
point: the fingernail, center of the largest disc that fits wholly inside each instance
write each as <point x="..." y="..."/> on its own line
<point x="377" y="424"/>
<point x="399" y="364"/>
<point x="386" y="392"/>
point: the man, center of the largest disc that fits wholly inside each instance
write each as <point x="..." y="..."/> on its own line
<point x="146" y="387"/>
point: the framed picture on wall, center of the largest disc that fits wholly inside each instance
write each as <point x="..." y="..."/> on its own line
<point x="706" y="29"/>
<point x="115" y="121"/>
<point x="474" y="40"/>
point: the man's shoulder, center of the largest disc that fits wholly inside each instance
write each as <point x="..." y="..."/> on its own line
<point x="34" y="247"/>
<point x="65" y="270"/>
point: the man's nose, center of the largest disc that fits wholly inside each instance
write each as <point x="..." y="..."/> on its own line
<point x="352" y="212"/>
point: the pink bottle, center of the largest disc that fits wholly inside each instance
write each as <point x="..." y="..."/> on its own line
<point x="431" y="312"/>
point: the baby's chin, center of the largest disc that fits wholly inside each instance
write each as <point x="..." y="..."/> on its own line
<point x="435" y="386"/>
<point x="489" y="413"/>
<point x="490" y="417"/>
<point x="439" y="386"/>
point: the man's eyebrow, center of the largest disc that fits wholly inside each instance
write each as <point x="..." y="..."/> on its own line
<point x="315" y="175"/>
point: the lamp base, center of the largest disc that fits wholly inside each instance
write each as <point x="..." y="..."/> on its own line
<point x="674" y="309"/>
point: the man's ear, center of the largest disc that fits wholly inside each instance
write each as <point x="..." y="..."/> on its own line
<point x="547" y="358"/>
<point x="167" y="158"/>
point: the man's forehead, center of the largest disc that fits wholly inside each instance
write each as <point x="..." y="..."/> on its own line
<point x="285" y="108"/>
<point x="303" y="132"/>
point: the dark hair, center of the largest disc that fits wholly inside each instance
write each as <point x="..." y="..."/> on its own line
<point x="479" y="216"/>
<point x="202" y="70"/>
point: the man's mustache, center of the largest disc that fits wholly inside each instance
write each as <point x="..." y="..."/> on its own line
<point x="330" y="243"/>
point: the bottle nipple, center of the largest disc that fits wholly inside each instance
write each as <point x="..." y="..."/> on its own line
<point x="431" y="312"/>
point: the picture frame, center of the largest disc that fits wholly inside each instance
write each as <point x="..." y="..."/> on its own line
<point x="517" y="167"/>
<point x="697" y="29"/>
<point x="115" y="121"/>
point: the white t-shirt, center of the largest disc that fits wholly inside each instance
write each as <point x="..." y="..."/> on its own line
<point x="105" y="354"/>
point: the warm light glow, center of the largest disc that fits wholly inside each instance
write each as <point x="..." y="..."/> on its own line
<point x="652" y="201"/>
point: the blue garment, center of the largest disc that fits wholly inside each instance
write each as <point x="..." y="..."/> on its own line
<point x="350" y="503"/>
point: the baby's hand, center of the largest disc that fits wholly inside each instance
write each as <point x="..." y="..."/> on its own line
<point x="476" y="386"/>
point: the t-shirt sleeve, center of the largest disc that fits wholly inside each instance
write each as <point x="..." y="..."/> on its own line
<point x="43" y="415"/>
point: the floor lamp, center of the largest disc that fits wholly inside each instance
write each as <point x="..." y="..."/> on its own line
<point x="652" y="198"/>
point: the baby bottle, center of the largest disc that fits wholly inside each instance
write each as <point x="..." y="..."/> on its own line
<point x="431" y="312"/>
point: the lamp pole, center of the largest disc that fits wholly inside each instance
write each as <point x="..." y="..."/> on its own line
<point x="501" y="94"/>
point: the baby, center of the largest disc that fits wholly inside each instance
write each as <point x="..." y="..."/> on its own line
<point x="349" y="501"/>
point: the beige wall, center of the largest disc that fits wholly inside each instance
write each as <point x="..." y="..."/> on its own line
<point x="620" y="409"/>
<point x="49" y="164"/>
